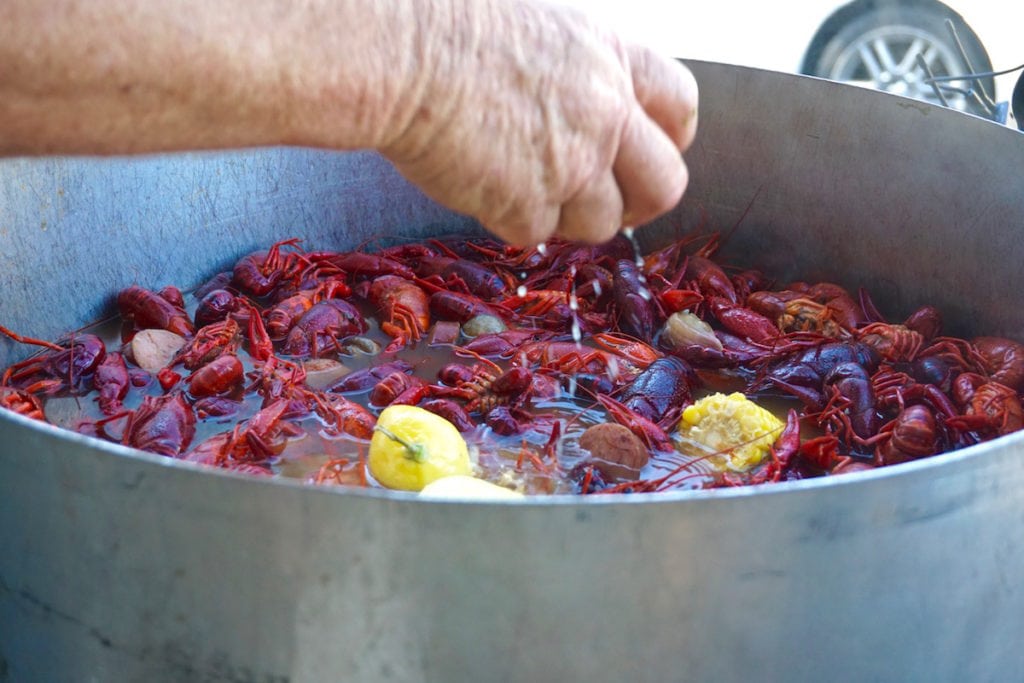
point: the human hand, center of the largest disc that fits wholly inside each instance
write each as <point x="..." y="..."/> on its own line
<point x="537" y="122"/>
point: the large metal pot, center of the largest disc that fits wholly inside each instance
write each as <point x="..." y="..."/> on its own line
<point x="121" y="566"/>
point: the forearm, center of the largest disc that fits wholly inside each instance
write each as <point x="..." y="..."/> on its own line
<point x="123" y="76"/>
<point x="523" y="114"/>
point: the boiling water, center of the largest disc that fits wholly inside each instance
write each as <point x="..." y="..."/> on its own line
<point x="523" y="461"/>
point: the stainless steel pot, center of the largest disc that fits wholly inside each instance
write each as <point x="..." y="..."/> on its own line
<point x="116" y="565"/>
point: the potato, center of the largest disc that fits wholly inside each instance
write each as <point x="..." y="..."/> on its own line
<point x="323" y="372"/>
<point x="153" y="350"/>
<point x="483" y="324"/>
<point x="616" y="451"/>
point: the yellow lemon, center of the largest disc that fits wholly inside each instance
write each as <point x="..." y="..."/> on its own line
<point x="412" y="447"/>
<point x="460" y="487"/>
<point x="742" y="430"/>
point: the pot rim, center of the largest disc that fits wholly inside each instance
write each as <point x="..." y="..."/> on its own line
<point x="915" y="468"/>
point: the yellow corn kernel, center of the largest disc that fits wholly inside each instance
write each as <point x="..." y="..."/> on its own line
<point x="733" y="425"/>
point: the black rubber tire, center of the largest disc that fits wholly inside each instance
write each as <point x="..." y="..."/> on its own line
<point x="1017" y="102"/>
<point x="827" y="57"/>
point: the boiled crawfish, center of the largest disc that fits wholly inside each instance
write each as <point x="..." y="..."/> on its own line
<point x="404" y="309"/>
<point x="163" y="425"/>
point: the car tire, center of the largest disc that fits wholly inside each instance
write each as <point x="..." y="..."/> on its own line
<point x="876" y="47"/>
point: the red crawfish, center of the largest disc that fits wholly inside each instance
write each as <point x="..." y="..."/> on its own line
<point x="319" y="329"/>
<point x="216" y="406"/>
<point x="913" y="434"/>
<point x="633" y="353"/>
<point x="1004" y="360"/>
<point x="742" y="321"/>
<point x="793" y="312"/>
<point x="567" y="357"/>
<point x="164" y="425"/>
<point x="709" y="279"/>
<point x="673" y="300"/>
<point x="902" y="342"/>
<point x="514" y="258"/>
<point x="64" y="365"/>
<point x="501" y="344"/>
<point x="219" y="376"/>
<point x="991" y="408"/>
<point x="311" y="270"/>
<point x="803" y="374"/>
<point x="556" y="310"/>
<point x="209" y="343"/>
<point x="219" y="281"/>
<point x="485" y="385"/>
<point x="262" y="438"/>
<point x="634" y="312"/>
<point x="261" y="348"/>
<point x="894" y="343"/>
<point x="822" y="452"/>
<point x="22" y="403"/>
<point x="415" y="253"/>
<point x="398" y="387"/>
<point x="341" y="472"/>
<point x="936" y="371"/>
<point x="508" y="420"/>
<point x="594" y="284"/>
<point x="404" y="309"/>
<point x="282" y="317"/>
<point x="661" y="391"/>
<point x="451" y="411"/>
<point x="926" y="321"/>
<point x="462" y="307"/>
<point x="621" y="358"/>
<point x="842" y="307"/>
<point x="343" y="416"/>
<point x="653" y="436"/>
<point x="477" y="279"/>
<point x="149" y="310"/>
<point x="668" y="263"/>
<point x="895" y="389"/>
<point x="214" y="307"/>
<point x="111" y="382"/>
<point x="433" y="269"/>
<point x="540" y="303"/>
<point x="959" y="355"/>
<point x="748" y="281"/>
<point x="723" y="351"/>
<point x="367" y="378"/>
<point x="852" y="405"/>
<point x="260" y="272"/>
<point x="361" y="265"/>
<point x="282" y="380"/>
<point x="174" y="296"/>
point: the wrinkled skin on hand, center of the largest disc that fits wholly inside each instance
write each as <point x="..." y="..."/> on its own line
<point x="525" y="115"/>
<point x="536" y="122"/>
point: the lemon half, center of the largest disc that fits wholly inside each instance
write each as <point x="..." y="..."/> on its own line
<point x="412" y="447"/>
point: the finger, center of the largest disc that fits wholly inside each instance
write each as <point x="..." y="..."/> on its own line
<point x="528" y="228"/>
<point x="594" y="214"/>
<point x="649" y="169"/>
<point x="667" y="91"/>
